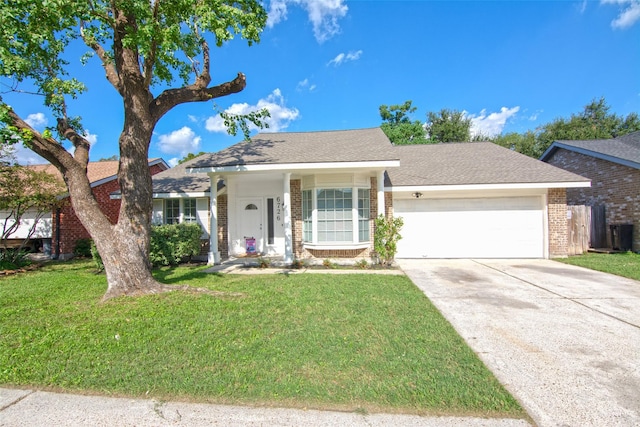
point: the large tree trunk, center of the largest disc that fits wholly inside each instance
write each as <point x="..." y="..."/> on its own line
<point x="123" y="247"/>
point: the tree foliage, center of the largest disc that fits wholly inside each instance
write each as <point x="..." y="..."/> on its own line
<point x="398" y="127"/>
<point x="144" y="47"/>
<point x="190" y="156"/>
<point x="595" y="121"/>
<point x="448" y="126"/>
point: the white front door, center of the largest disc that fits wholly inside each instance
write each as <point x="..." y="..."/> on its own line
<point x="250" y="218"/>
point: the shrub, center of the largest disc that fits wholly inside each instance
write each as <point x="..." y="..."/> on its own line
<point x="83" y="248"/>
<point x="298" y="263"/>
<point x="174" y="243"/>
<point x="362" y="263"/>
<point x="95" y="255"/>
<point x="13" y="259"/>
<point x="385" y="238"/>
<point x="264" y="262"/>
<point x="328" y="263"/>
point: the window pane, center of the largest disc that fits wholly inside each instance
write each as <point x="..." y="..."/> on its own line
<point x="307" y="211"/>
<point x="190" y="214"/>
<point x="335" y="217"/>
<point x="172" y="211"/>
<point x="364" y="214"/>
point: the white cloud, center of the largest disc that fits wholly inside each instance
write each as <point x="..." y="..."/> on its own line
<point x="491" y="124"/>
<point x="629" y="13"/>
<point x="24" y="156"/>
<point x="36" y="120"/>
<point x="323" y="14"/>
<point x="280" y="118"/>
<point x="182" y="141"/>
<point x="91" y="137"/>
<point x="535" y="115"/>
<point x="306" y="86"/>
<point x="345" y="57"/>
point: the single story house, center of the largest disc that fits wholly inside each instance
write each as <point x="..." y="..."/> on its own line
<point x="315" y="195"/>
<point x="59" y="231"/>
<point x="613" y="166"/>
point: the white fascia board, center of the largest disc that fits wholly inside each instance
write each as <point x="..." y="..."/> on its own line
<point x="467" y="187"/>
<point x="291" y="167"/>
<point x="172" y="195"/>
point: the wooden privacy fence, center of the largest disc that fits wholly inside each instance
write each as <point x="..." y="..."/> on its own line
<point x="586" y="228"/>
<point x="579" y="229"/>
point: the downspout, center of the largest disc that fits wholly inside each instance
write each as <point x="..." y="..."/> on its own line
<point x="56" y="254"/>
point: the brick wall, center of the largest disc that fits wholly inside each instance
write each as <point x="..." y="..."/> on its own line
<point x="295" y="192"/>
<point x="223" y="229"/>
<point x="71" y="229"/>
<point x="557" y="219"/>
<point x="615" y="186"/>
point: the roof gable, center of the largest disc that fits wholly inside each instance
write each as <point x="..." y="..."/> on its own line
<point x="624" y="150"/>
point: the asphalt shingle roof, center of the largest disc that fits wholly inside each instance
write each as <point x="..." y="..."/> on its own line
<point x="177" y="180"/>
<point x="360" y="145"/>
<point x="469" y="164"/>
<point x="420" y="165"/>
<point x="624" y="148"/>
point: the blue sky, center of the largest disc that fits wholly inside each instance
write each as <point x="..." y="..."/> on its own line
<point x="329" y="64"/>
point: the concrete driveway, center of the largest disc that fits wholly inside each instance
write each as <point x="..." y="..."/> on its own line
<point x="564" y="340"/>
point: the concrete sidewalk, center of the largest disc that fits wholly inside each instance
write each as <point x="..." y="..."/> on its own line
<point x="38" y="408"/>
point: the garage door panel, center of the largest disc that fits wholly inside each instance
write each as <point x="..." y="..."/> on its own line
<point x="471" y="228"/>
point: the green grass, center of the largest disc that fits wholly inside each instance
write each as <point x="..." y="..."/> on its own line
<point x="348" y="342"/>
<point x="626" y="264"/>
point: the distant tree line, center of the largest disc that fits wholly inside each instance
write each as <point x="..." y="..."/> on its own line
<point x="594" y="122"/>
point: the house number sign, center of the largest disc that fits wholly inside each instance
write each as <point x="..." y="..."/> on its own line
<point x="278" y="208"/>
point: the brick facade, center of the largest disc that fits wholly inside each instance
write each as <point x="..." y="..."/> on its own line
<point x="615" y="186"/>
<point x="557" y="221"/>
<point x="72" y="230"/>
<point x="223" y="229"/>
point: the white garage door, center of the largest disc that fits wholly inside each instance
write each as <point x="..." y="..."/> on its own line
<point x="503" y="227"/>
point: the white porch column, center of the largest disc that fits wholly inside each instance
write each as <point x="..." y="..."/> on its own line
<point x="214" y="253"/>
<point x="380" y="186"/>
<point x="288" y="234"/>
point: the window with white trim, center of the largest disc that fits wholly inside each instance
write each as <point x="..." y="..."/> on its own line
<point x="180" y="210"/>
<point x="171" y="211"/>
<point x="335" y="215"/>
<point x="189" y="212"/>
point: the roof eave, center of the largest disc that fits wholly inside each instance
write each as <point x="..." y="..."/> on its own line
<point x="503" y="186"/>
<point x="291" y="167"/>
<point x="590" y="153"/>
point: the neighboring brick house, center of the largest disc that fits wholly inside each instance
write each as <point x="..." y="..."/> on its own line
<point x="613" y="166"/>
<point x="316" y="194"/>
<point x="65" y="225"/>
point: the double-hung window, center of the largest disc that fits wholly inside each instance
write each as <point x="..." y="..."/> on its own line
<point x="335" y="216"/>
<point x="180" y="210"/>
<point x="172" y="211"/>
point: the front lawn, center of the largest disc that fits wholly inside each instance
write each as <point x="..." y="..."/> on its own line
<point x="626" y="264"/>
<point x="348" y="342"/>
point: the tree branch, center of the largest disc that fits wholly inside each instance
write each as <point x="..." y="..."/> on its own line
<point x="48" y="148"/>
<point x="107" y="63"/>
<point x="194" y="93"/>
<point x="150" y="60"/>
<point x="82" y="146"/>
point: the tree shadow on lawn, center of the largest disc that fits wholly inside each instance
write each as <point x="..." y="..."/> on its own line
<point x="180" y="275"/>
